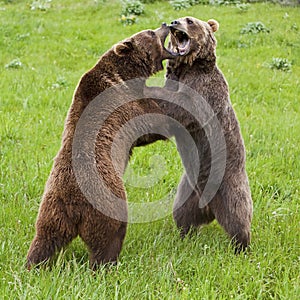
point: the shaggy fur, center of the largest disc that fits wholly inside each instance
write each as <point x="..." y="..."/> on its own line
<point x="197" y="69"/>
<point x="65" y="212"/>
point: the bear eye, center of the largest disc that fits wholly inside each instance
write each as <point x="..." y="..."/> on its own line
<point x="152" y="33"/>
<point x="190" y="22"/>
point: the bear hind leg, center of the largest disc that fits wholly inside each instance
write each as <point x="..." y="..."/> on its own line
<point x="104" y="239"/>
<point x="186" y="210"/>
<point x="233" y="210"/>
<point x="112" y="250"/>
<point x="54" y="230"/>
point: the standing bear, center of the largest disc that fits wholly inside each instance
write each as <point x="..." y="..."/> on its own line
<point x="221" y="174"/>
<point x="67" y="209"/>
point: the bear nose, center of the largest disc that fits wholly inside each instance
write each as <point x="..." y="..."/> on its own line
<point x="175" y="22"/>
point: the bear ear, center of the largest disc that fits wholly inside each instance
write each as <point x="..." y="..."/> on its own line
<point x="213" y="24"/>
<point x="123" y="48"/>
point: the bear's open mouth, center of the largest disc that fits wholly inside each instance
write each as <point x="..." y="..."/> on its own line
<point x="182" y="41"/>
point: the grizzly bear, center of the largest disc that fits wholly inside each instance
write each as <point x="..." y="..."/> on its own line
<point x="222" y="174"/>
<point x="65" y="211"/>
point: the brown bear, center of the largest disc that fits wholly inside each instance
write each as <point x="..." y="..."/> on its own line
<point x="65" y="212"/>
<point x="227" y="196"/>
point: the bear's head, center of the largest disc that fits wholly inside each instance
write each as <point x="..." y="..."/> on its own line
<point x="192" y="38"/>
<point x="148" y="47"/>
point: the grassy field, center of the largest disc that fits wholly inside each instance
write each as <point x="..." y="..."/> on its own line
<point x="43" y="55"/>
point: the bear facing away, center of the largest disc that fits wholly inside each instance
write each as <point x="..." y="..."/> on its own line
<point x="65" y="212"/>
<point x="196" y="68"/>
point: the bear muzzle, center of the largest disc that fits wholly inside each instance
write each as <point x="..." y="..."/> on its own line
<point x="162" y="33"/>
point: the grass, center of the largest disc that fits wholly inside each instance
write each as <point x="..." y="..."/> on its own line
<point x="55" y="47"/>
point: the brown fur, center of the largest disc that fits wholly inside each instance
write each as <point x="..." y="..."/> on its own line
<point x="64" y="212"/>
<point x="232" y="204"/>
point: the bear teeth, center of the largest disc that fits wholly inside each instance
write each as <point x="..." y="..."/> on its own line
<point x="180" y="35"/>
<point x="183" y="48"/>
<point x="182" y="41"/>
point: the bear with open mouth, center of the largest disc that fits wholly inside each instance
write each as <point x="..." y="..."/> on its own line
<point x="195" y="67"/>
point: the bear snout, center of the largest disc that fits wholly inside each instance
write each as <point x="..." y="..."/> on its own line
<point x="176" y="22"/>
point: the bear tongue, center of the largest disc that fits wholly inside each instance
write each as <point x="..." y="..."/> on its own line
<point x="183" y="47"/>
<point x="181" y="51"/>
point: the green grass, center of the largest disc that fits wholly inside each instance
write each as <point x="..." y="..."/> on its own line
<point x="55" y="48"/>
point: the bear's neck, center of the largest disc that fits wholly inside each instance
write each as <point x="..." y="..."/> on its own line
<point x="203" y="65"/>
<point x="131" y="66"/>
